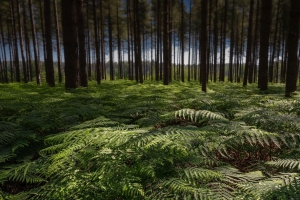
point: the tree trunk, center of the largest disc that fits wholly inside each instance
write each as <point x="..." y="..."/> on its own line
<point x="215" y="41"/>
<point x="166" y="41"/>
<point x="182" y="41"/>
<point x="81" y="39"/>
<point x="265" y="28"/>
<point x="249" y="45"/>
<point x="69" y="28"/>
<point x="119" y="46"/>
<point x="271" y="68"/>
<point x="57" y="42"/>
<point x="157" y="42"/>
<point x="230" y="74"/>
<point x="15" y="39"/>
<point x="27" y="43"/>
<point x="203" y="43"/>
<point x="292" y="42"/>
<point x="35" y="50"/>
<point x="25" y="71"/>
<point x="48" y="36"/>
<point x="111" y="63"/>
<point x="98" y="72"/>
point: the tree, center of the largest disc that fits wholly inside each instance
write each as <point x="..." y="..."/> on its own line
<point x="69" y="28"/>
<point x="166" y="44"/>
<point x="249" y="44"/>
<point x="25" y="72"/>
<point x="48" y="36"/>
<point x="265" y="27"/>
<point x="203" y="43"/>
<point x="292" y="42"/>
<point x="35" y="50"/>
<point x="81" y="39"/>
<point x="57" y="42"/>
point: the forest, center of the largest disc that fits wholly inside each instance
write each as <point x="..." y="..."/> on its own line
<point x="149" y="99"/>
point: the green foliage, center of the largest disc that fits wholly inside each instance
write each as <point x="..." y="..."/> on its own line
<point x="132" y="141"/>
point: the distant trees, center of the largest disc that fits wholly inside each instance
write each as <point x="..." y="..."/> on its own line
<point x="151" y="40"/>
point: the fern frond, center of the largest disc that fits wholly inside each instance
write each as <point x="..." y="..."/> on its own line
<point x="196" y="116"/>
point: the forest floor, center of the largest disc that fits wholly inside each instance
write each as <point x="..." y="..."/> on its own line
<point x="122" y="140"/>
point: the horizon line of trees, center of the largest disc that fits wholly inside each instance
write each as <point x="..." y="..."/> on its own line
<point x="264" y="33"/>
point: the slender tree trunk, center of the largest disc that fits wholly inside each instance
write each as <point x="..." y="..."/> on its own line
<point x="88" y="41"/>
<point x="15" y="39"/>
<point x="25" y="72"/>
<point x="4" y="49"/>
<point x="249" y="45"/>
<point x="203" y="43"/>
<point x="292" y="43"/>
<point x="119" y="47"/>
<point x="157" y="42"/>
<point x="255" y="46"/>
<point x="98" y="72"/>
<point x="128" y="39"/>
<point x="69" y="28"/>
<point x="271" y="68"/>
<point x="111" y="63"/>
<point x="43" y="31"/>
<point x="265" y="28"/>
<point x="11" y="51"/>
<point x="27" y="43"/>
<point x="182" y="41"/>
<point x="215" y="41"/>
<point x="57" y="42"/>
<point x="166" y="42"/>
<point x="81" y="40"/>
<point x="190" y="35"/>
<point x="48" y="36"/>
<point x="35" y="50"/>
<point x="230" y="75"/>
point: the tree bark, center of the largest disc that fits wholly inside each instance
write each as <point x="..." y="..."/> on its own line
<point x="249" y="45"/>
<point x="48" y="36"/>
<point x="35" y="50"/>
<point x="292" y="42"/>
<point x="69" y="28"/>
<point x="203" y="43"/>
<point x="265" y="27"/>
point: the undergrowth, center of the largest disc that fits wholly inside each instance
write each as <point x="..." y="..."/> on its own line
<point x="121" y="140"/>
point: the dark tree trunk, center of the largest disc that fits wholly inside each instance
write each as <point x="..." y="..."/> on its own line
<point x="16" y="54"/>
<point x="265" y="28"/>
<point x="253" y="73"/>
<point x="157" y="42"/>
<point x="182" y="41"/>
<point x="4" y="50"/>
<point x="81" y="39"/>
<point x="111" y="63"/>
<point x="203" y="43"/>
<point x="69" y="29"/>
<point x="271" y="68"/>
<point x="98" y="72"/>
<point x="215" y="41"/>
<point x="57" y="42"/>
<point x="35" y="50"/>
<point x="119" y="46"/>
<point x="230" y="74"/>
<point x="249" y="45"/>
<point x="43" y="30"/>
<point x="48" y="35"/>
<point x="166" y="41"/>
<point x="27" y="43"/>
<point x="128" y="39"/>
<point x="25" y="71"/>
<point x="292" y="42"/>
<point x="190" y="35"/>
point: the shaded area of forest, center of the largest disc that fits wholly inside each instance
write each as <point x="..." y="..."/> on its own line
<point x="133" y="141"/>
